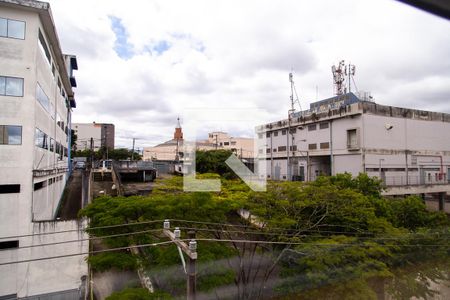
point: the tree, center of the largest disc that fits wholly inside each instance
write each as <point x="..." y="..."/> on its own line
<point x="73" y="140"/>
<point x="213" y="161"/>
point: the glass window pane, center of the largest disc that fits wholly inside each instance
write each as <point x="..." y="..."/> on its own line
<point x="16" y="29"/>
<point x="2" y="85"/>
<point x="14" y="86"/>
<point x="14" y="135"/>
<point x="3" y="27"/>
<point x="2" y="135"/>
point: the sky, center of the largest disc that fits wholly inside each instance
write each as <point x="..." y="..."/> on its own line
<point x="144" y="63"/>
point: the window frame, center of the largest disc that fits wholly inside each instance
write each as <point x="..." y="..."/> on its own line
<point x="5" y="127"/>
<point x="3" y="93"/>
<point x="7" y="29"/>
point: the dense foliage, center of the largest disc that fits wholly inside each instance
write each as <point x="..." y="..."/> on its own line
<point x="116" y="154"/>
<point x="138" y="294"/>
<point x="335" y="238"/>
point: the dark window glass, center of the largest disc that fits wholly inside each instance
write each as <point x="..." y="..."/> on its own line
<point x="40" y="185"/>
<point x="325" y="145"/>
<point x="293" y="148"/>
<point x="9" y="245"/>
<point x="226" y="143"/>
<point x="268" y="150"/>
<point x="283" y="132"/>
<point x="281" y="148"/>
<point x="268" y="134"/>
<point x="312" y="127"/>
<point x="9" y="188"/>
<point x="323" y="125"/>
<point x="275" y="133"/>
<point x="44" y="47"/>
<point x="312" y="146"/>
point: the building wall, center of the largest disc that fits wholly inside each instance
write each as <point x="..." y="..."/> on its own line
<point x="27" y="164"/>
<point x="86" y="131"/>
<point x="396" y="144"/>
<point x="102" y="134"/>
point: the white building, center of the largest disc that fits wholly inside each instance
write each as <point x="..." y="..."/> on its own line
<point x="346" y="134"/>
<point x="100" y="134"/>
<point x="172" y="150"/>
<point x="36" y="99"/>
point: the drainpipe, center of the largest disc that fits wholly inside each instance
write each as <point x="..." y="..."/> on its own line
<point x="331" y="148"/>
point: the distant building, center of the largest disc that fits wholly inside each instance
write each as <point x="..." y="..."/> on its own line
<point x="102" y="135"/>
<point x="347" y="133"/>
<point x="172" y="150"/>
<point x="36" y="102"/>
<point x="242" y="147"/>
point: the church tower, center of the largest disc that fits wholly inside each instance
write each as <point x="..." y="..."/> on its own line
<point x="178" y="134"/>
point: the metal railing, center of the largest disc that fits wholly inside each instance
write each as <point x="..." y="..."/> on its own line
<point x="402" y="180"/>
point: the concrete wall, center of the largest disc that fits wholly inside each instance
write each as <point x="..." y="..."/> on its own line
<point x="24" y="59"/>
<point x="86" y="131"/>
<point x="45" y="276"/>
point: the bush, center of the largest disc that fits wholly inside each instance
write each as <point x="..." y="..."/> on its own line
<point x="138" y="294"/>
<point x="112" y="260"/>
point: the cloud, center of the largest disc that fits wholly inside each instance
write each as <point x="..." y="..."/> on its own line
<point x="143" y="64"/>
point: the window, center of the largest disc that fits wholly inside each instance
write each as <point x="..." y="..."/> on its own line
<point x="293" y="130"/>
<point x="323" y="125"/>
<point x="312" y="146"/>
<point x="352" y="139"/>
<point x="9" y="188"/>
<point x="268" y="150"/>
<point x="268" y="134"/>
<point x="12" y="28"/>
<point x="9" y="245"/>
<point x="52" y="145"/>
<point x="274" y="150"/>
<point x="10" y="135"/>
<point x="11" y="86"/>
<point x="41" y="139"/>
<point x="312" y="127"/>
<point x="325" y="145"/>
<point x="226" y="143"/>
<point x="283" y="132"/>
<point x="44" y="48"/>
<point x="260" y="135"/>
<point x="281" y="148"/>
<point x="233" y="143"/>
<point x="42" y="98"/>
<point x="293" y="148"/>
<point x="275" y="133"/>
<point x="40" y="185"/>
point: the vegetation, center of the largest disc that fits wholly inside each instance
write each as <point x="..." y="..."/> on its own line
<point x="116" y="154"/>
<point x="334" y="238"/>
<point x="117" y="260"/>
<point x="213" y="161"/>
<point x="138" y="294"/>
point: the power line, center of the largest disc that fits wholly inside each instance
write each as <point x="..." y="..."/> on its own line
<point x="90" y="239"/>
<point x="296" y="235"/>
<point x="215" y="240"/>
<point x="82" y="228"/>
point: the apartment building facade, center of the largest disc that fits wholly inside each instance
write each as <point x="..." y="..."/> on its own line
<point x="347" y="134"/>
<point x="101" y="134"/>
<point x="36" y="101"/>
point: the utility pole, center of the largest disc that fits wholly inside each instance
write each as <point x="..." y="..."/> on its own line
<point x="191" y="251"/>
<point x="132" y="151"/>
<point x="92" y="152"/>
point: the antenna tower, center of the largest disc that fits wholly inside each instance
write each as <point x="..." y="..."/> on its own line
<point x="340" y="72"/>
